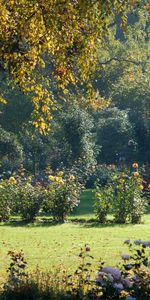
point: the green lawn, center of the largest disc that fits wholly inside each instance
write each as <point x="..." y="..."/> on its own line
<point x="51" y="246"/>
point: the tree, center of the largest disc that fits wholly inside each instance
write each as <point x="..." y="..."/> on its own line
<point x="11" y="151"/>
<point x="77" y="125"/>
<point x="124" y="76"/>
<point x="61" y="34"/>
<point x="114" y="131"/>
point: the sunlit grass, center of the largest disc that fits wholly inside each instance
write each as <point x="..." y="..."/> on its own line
<point x="53" y="246"/>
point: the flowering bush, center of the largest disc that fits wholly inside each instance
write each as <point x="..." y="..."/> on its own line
<point x="29" y="200"/>
<point x="18" y="195"/>
<point x="130" y="281"/>
<point x="62" y="195"/>
<point x="128" y="201"/>
<point x="123" y="197"/>
<point x="8" y="192"/>
<point x="103" y="202"/>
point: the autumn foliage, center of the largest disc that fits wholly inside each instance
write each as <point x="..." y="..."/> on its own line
<point x="42" y="40"/>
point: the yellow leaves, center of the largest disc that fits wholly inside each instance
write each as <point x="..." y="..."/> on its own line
<point x="41" y="125"/>
<point x="41" y="63"/>
<point x="45" y="108"/>
<point x="65" y="33"/>
<point x="57" y="179"/>
<point x="95" y="101"/>
<point x="12" y="180"/>
<point x="2" y="100"/>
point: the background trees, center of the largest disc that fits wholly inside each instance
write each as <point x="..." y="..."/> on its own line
<point x="124" y="77"/>
<point x="80" y="136"/>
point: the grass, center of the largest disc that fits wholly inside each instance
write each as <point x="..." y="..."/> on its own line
<point x="52" y="246"/>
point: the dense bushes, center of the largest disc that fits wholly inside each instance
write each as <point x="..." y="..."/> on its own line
<point x="130" y="281"/>
<point x="118" y="193"/>
<point x="26" y="197"/>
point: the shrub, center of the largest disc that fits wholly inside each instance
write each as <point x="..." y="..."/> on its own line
<point x="11" y="152"/>
<point x="103" y="202"/>
<point x="62" y="195"/>
<point x="8" y="192"/>
<point x="124" y="196"/>
<point x="132" y="279"/>
<point x="128" y="201"/>
<point x="29" y="200"/>
<point x="18" y="195"/>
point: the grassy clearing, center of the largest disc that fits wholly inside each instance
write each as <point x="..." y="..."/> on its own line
<point x="51" y="246"/>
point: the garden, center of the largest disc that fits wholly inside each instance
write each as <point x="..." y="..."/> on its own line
<point x="74" y="150"/>
<point x="71" y="235"/>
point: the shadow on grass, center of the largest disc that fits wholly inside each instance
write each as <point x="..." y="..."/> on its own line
<point x="148" y="210"/>
<point x="50" y="222"/>
<point x="94" y="223"/>
<point x="47" y="221"/>
<point x="37" y="223"/>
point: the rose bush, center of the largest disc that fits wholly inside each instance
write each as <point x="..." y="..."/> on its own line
<point x="62" y="195"/>
<point x="123" y="197"/>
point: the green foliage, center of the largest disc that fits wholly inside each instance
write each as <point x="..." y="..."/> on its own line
<point x="76" y="139"/>
<point x="17" y="112"/>
<point x="28" y="200"/>
<point x="8" y="193"/>
<point x="128" y="203"/>
<point x="103" y="202"/>
<point x="36" y="150"/>
<point x="124" y="196"/>
<point x="23" y="195"/>
<point x="113" y="131"/>
<point x="19" y="196"/>
<point x="101" y="174"/>
<point x="62" y="195"/>
<point x="124" y="77"/>
<point x="11" y="152"/>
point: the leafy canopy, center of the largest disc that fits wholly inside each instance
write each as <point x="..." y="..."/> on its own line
<point x="60" y="34"/>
